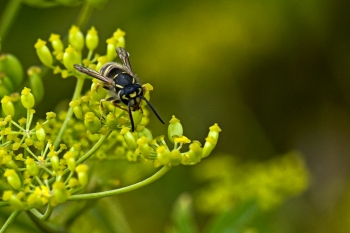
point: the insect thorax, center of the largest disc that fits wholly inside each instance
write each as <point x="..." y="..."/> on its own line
<point x="123" y="79"/>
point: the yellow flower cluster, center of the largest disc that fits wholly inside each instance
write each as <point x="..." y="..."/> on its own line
<point x="232" y="183"/>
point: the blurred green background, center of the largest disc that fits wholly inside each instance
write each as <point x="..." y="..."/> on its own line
<point x="273" y="74"/>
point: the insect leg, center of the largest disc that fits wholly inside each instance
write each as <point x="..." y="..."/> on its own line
<point x="101" y="105"/>
<point x="115" y="104"/>
<point x="130" y="116"/>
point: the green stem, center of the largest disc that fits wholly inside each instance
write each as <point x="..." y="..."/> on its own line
<point x="94" y="148"/>
<point x="145" y="182"/>
<point x="76" y="95"/>
<point x="39" y="181"/>
<point x="84" y="14"/>
<point x="41" y="216"/>
<point x="10" y="220"/>
<point x="88" y="154"/>
<point x="8" y="16"/>
<point x="17" y="125"/>
<point x="31" y="152"/>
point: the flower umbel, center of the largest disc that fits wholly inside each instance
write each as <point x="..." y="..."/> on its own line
<point x="46" y="162"/>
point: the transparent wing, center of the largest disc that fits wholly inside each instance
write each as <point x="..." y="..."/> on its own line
<point x="124" y="56"/>
<point x="94" y="73"/>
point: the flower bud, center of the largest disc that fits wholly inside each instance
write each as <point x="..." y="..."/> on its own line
<point x="76" y="38"/>
<point x="73" y="182"/>
<point x="16" y="146"/>
<point x="97" y="91"/>
<point x="214" y="131"/>
<point x="163" y="155"/>
<point x="39" y="145"/>
<point x="77" y="147"/>
<point x="129" y="138"/>
<point x="32" y="167"/>
<point x="143" y="146"/>
<point x="50" y="115"/>
<point x="101" y="61"/>
<point x="12" y="67"/>
<point x="40" y="132"/>
<point x="174" y="129"/>
<point x="146" y="133"/>
<point x="34" y="200"/>
<point x="148" y="88"/>
<point x="91" y="122"/>
<point x="43" y="52"/>
<point x="36" y="82"/>
<point x="11" y="164"/>
<point x="54" y="160"/>
<point x="78" y="112"/>
<point x="211" y="140"/>
<point x="7" y="106"/>
<point x="59" y="192"/>
<point x="27" y="98"/>
<point x="13" y="179"/>
<point x="82" y="174"/>
<point x="85" y="98"/>
<point x="195" y="153"/>
<point x="209" y="145"/>
<point x="91" y="39"/>
<point x="13" y="199"/>
<point x="70" y="57"/>
<point x="70" y="160"/>
<point x="56" y="42"/>
<point x="28" y="141"/>
<point x="175" y="157"/>
<point x="111" y="121"/>
<point x="119" y="37"/>
<point x="111" y="48"/>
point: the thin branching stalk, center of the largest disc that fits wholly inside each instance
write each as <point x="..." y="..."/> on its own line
<point x="145" y="182"/>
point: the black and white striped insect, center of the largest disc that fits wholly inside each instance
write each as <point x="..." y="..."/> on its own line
<point x="122" y="83"/>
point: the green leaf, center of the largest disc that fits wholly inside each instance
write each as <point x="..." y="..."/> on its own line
<point x="182" y="216"/>
<point x="233" y="220"/>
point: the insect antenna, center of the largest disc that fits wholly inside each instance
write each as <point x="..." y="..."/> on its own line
<point x="153" y="109"/>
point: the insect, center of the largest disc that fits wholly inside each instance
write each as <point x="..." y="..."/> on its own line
<point x="122" y="83"/>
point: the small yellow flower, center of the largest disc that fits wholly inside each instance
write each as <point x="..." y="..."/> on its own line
<point x="50" y="115"/>
<point x="118" y="34"/>
<point x="43" y="52"/>
<point x="182" y="139"/>
<point x="64" y="74"/>
<point x="101" y="61"/>
<point x="56" y="42"/>
<point x="43" y="193"/>
<point x="33" y="70"/>
<point x="39" y="44"/>
<point x="91" y="39"/>
<point x="73" y="182"/>
<point x="76" y="38"/>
